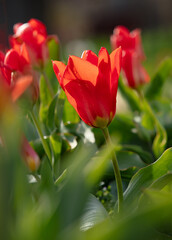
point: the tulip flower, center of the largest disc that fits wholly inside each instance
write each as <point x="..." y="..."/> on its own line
<point x="16" y="72"/>
<point x="90" y="84"/>
<point x="30" y="156"/>
<point x="34" y="35"/>
<point x="132" y="55"/>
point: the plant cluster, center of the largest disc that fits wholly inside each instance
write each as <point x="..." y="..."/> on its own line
<point x="70" y="166"/>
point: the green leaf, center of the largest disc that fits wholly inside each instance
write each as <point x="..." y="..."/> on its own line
<point x="45" y="98"/>
<point x="46" y="175"/>
<point x="147" y="223"/>
<point x="144" y="155"/>
<point x="51" y="113"/>
<point x="94" y="213"/>
<point x="155" y="87"/>
<point x="59" y="109"/>
<point x="56" y="144"/>
<point x="97" y="166"/>
<point x="146" y="176"/>
<point x="162" y="181"/>
<point x="160" y="139"/>
<point x="127" y="159"/>
<point x="69" y="114"/>
<point x="130" y="96"/>
<point x="53" y="49"/>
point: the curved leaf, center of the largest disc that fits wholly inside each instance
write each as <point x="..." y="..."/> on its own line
<point x="94" y="213"/>
<point x="156" y="84"/>
<point x="146" y="176"/>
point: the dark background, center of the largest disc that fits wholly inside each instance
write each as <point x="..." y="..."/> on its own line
<point x="71" y="19"/>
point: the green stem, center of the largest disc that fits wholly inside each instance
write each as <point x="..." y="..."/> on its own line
<point x="116" y="170"/>
<point x="48" y="83"/>
<point x="44" y="143"/>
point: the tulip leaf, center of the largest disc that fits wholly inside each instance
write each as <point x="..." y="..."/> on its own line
<point x="45" y="98"/>
<point x="69" y="114"/>
<point x="130" y="96"/>
<point x="144" y="155"/>
<point x="155" y="87"/>
<point x="161" y="182"/>
<point x="128" y="159"/>
<point x="98" y="164"/>
<point x="53" y="47"/>
<point x="160" y="139"/>
<point x="59" y="109"/>
<point x="146" y="176"/>
<point x="51" y="113"/>
<point x="46" y="175"/>
<point x="56" y="145"/>
<point x="94" y="213"/>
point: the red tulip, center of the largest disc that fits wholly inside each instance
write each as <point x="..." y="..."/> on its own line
<point x="132" y="55"/>
<point x="30" y="156"/>
<point x="34" y="35"/>
<point x="16" y="72"/>
<point x="90" y="84"/>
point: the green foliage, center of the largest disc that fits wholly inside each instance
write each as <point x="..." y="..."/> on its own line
<point x="73" y="193"/>
<point x="156" y="85"/>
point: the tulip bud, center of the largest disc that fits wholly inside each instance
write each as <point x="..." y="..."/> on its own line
<point x="30" y="156"/>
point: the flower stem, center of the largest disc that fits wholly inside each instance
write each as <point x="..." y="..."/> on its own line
<point x="48" y="84"/>
<point x="44" y="143"/>
<point x="116" y="170"/>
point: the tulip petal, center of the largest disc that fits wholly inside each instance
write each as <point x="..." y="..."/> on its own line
<point x="16" y="26"/>
<point x="12" y="60"/>
<point x="59" y="68"/>
<point x="103" y="79"/>
<point x="20" y="86"/>
<point x="78" y="69"/>
<point x="89" y="56"/>
<point x="115" y="59"/>
<point x="38" y="26"/>
<point x="82" y="97"/>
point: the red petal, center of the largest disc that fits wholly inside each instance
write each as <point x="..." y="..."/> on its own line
<point x="115" y="59"/>
<point x="138" y="43"/>
<point x="30" y="156"/>
<point x="38" y="26"/>
<point x="89" y="56"/>
<point x="20" y="86"/>
<point x="2" y="56"/>
<point x="12" y="60"/>
<point x="16" y="26"/>
<point x="59" y="69"/>
<point x="79" y="69"/>
<point x="127" y="66"/>
<point x="82" y="97"/>
<point x="104" y="64"/>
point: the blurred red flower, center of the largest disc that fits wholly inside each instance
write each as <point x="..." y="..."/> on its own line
<point x="30" y="156"/>
<point x="34" y="35"/>
<point x="132" y="55"/>
<point x="16" y="72"/>
<point x="91" y="83"/>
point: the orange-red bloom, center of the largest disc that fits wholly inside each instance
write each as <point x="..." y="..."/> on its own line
<point x="30" y="156"/>
<point x="34" y="35"/>
<point x="16" y="73"/>
<point x="91" y="83"/>
<point x="132" y="55"/>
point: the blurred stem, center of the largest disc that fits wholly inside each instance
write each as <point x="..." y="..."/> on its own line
<point x="44" y="143"/>
<point x="48" y="83"/>
<point x="116" y="170"/>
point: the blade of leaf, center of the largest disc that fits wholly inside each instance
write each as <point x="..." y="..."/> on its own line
<point x="155" y="87"/>
<point x="146" y="176"/>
